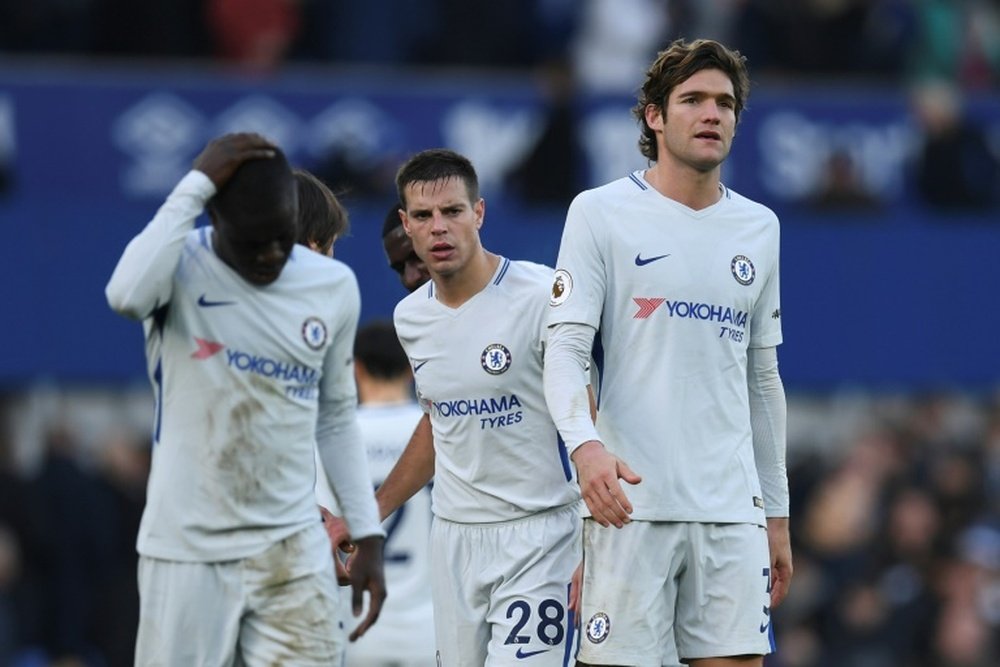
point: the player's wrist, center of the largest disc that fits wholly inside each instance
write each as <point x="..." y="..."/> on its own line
<point x="585" y="449"/>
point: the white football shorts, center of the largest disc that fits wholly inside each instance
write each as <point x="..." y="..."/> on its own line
<point x="656" y="591"/>
<point x="279" y="607"/>
<point x="500" y="590"/>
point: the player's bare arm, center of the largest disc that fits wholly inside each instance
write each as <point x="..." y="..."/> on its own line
<point x="412" y="472"/>
<point x="366" y="574"/>
<point x="222" y="156"/>
<point x="598" y="471"/>
<point x="780" y="545"/>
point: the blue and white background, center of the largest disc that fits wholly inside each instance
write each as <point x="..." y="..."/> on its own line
<point x="884" y="300"/>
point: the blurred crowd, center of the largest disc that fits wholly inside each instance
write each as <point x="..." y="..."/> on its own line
<point x="896" y="499"/>
<point x="934" y="51"/>
<point x="895" y="511"/>
<point x="607" y="42"/>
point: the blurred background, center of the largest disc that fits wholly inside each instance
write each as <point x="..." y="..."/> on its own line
<point x="873" y="131"/>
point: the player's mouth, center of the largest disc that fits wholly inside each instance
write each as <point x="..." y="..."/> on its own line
<point x="265" y="275"/>
<point x="709" y="135"/>
<point x="442" y="251"/>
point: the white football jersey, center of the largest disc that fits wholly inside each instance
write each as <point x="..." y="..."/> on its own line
<point x="238" y="371"/>
<point x="677" y="297"/>
<point x="478" y="372"/>
<point x="385" y="430"/>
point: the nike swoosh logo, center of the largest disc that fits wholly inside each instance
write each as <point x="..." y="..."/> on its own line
<point x="640" y="261"/>
<point x="522" y="654"/>
<point x="764" y="625"/>
<point x="417" y="367"/>
<point x="205" y="303"/>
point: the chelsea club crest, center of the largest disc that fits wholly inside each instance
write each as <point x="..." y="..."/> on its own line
<point x="598" y="627"/>
<point x="742" y="269"/>
<point x="314" y="332"/>
<point x="495" y="359"/>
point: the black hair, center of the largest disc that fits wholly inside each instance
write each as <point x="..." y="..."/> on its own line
<point x="437" y="164"/>
<point x="377" y="348"/>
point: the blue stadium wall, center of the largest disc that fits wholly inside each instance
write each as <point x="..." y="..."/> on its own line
<point x="893" y="299"/>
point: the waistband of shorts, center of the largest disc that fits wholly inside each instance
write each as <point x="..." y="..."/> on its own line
<point x="573" y="506"/>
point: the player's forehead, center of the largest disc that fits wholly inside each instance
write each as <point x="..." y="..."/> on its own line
<point x="440" y="193"/>
<point x="262" y="225"/>
<point x="709" y="82"/>
<point x="397" y="244"/>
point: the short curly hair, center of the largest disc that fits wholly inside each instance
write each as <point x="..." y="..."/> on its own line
<point x="676" y="64"/>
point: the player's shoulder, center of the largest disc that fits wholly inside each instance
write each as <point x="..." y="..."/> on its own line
<point x="749" y="207"/>
<point x="327" y="269"/>
<point x="531" y="271"/>
<point x="524" y="276"/>
<point x="413" y="303"/>
<point x="630" y="185"/>
<point x="595" y="205"/>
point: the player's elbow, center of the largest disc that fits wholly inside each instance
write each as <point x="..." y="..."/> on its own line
<point x="119" y="301"/>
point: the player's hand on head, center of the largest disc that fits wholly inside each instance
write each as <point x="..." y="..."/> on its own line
<point x="223" y="155"/>
<point x="340" y="541"/>
<point x="366" y="575"/>
<point x="598" y="471"/>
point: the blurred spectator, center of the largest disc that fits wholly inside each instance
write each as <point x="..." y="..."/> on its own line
<point x="955" y="169"/>
<point x="342" y="32"/>
<point x="842" y="188"/>
<point x="153" y="28"/>
<point x="519" y="33"/>
<point x="549" y="174"/>
<point x="48" y="26"/>
<point x="257" y="34"/>
<point x="846" y="37"/>
<point x="615" y="40"/>
<point x="81" y="555"/>
<point x="959" y="41"/>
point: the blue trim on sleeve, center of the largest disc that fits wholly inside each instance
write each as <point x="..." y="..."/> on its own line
<point x="597" y="352"/>
<point x="564" y="458"/>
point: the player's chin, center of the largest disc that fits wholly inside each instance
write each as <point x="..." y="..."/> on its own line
<point x="262" y="276"/>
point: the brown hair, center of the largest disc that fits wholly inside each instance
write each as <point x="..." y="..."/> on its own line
<point x="676" y="64"/>
<point x="322" y="218"/>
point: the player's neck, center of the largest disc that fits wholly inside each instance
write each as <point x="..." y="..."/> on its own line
<point x="455" y="289"/>
<point x="685" y="185"/>
<point x="384" y="392"/>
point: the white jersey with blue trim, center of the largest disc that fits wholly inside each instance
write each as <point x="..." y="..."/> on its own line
<point x="239" y="372"/>
<point x="677" y="297"/>
<point x="385" y="430"/>
<point x="478" y="372"/>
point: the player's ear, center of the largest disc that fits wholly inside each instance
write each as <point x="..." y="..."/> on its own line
<point x="479" y="208"/>
<point x="654" y="116"/>
<point x="360" y="372"/>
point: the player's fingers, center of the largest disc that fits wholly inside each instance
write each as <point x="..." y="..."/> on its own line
<point x="780" y="584"/>
<point x="575" y="586"/>
<point x="611" y="508"/>
<point x="357" y="597"/>
<point x="375" y="599"/>
<point x="617" y="502"/>
<point x="627" y="473"/>
<point x="596" y="505"/>
<point x="597" y="513"/>
<point x="343" y="576"/>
